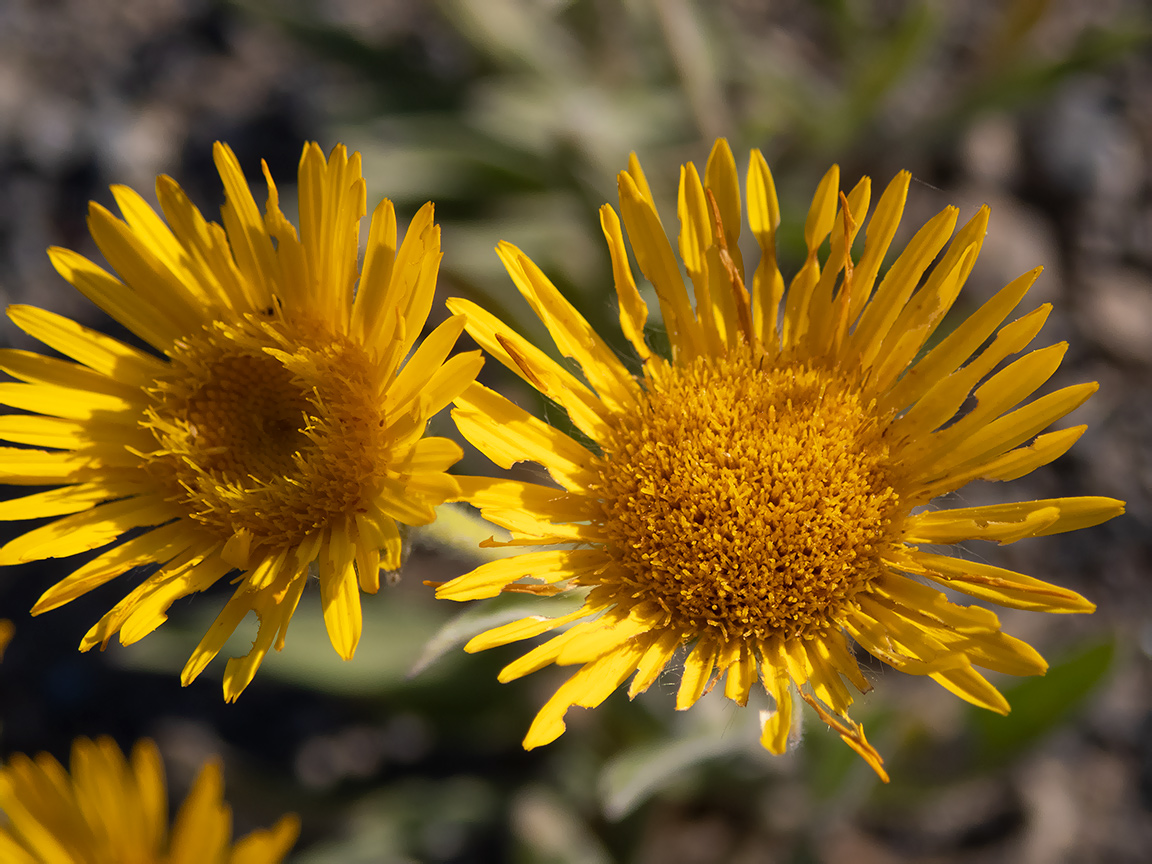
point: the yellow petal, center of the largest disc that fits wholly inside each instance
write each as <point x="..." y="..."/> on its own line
<point x="158" y="546"/>
<point x="877" y="238"/>
<point x="654" y="255"/>
<point x="151" y="324"/>
<point x="550" y="566"/>
<point x="1008" y="523"/>
<point x="1000" y="586"/>
<point x="507" y="434"/>
<point x="590" y="686"/>
<point x="633" y="309"/>
<point x="379" y="256"/>
<point x="959" y="345"/>
<point x="657" y="652"/>
<point x="340" y="594"/>
<point x="695" y="679"/>
<point x="101" y="353"/>
<point x="534" y="366"/>
<point x="203" y="826"/>
<point x="573" y="335"/>
<point x="251" y="246"/>
<point x="897" y="286"/>
<point x="267" y="846"/>
<point x="88" y="530"/>
<point x="972" y="687"/>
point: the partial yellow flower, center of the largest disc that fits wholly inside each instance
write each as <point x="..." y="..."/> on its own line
<point x="276" y="432"/>
<point x="114" y="810"/>
<point x="743" y="507"/>
<point x="7" y="631"/>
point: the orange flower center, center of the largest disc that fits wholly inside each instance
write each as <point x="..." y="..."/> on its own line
<point x="757" y="501"/>
<point x="270" y="427"/>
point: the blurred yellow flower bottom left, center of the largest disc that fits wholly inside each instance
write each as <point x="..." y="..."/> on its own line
<point x="112" y="809"/>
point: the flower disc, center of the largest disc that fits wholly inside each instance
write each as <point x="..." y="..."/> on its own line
<point x="756" y="501"/>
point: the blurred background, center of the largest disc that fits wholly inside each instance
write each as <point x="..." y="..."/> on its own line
<point x="514" y="117"/>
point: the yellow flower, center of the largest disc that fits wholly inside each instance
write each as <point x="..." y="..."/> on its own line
<point x="762" y="494"/>
<point x="113" y="810"/>
<point x="278" y="434"/>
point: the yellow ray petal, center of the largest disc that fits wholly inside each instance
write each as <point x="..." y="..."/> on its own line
<point x="897" y="286"/>
<point x="368" y="307"/>
<point x="821" y="217"/>
<point x="39" y="369"/>
<point x="66" y="499"/>
<point x="340" y="594"/>
<point x="1013" y="428"/>
<point x="550" y="566"/>
<point x="694" y="242"/>
<point x="960" y="344"/>
<point x="927" y="308"/>
<point x="877" y="238"/>
<point x="429" y="356"/>
<point x="571" y="332"/>
<point x="68" y="404"/>
<point x="1000" y="586"/>
<point x="696" y="677"/>
<point x="1007" y="466"/>
<point x="524" y="628"/>
<point x="534" y="366"/>
<point x="852" y="734"/>
<point x="111" y="440"/>
<point x="633" y="309"/>
<point x="148" y="773"/>
<point x="234" y="611"/>
<point x="146" y="608"/>
<point x="151" y="324"/>
<point x="777" y="681"/>
<point x="148" y="276"/>
<point x="88" y="530"/>
<point x="208" y="254"/>
<point x="939" y="403"/>
<point x="721" y="179"/>
<point x="101" y="353"/>
<point x="972" y="687"/>
<point x="507" y="434"/>
<point x="22" y="467"/>
<point x="203" y="824"/>
<point x="741" y="673"/>
<point x="590" y="686"/>
<point x="654" y="255"/>
<point x="763" y="218"/>
<point x="267" y="844"/>
<point x="1007" y="523"/>
<point x="657" y="652"/>
<point x="274" y="618"/>
<point x="592" y="639"/>
<point x="332" y="202"/>
<point x="251" y="246"/>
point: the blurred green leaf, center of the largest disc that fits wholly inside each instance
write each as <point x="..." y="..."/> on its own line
<point x="489" y="614"/>
<point x="638" y="773"/>
<point x="1040" y="705"/>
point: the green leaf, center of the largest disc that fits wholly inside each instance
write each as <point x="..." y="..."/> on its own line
<point x="1040" y="705"/>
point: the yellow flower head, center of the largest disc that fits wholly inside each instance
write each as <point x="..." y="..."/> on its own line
<point x="275" y="432"/>
<point x="115" y="810"/>
<point x="761" y="495"/>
